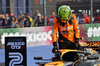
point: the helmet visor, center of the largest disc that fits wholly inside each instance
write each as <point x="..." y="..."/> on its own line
<point x="64" y="12"/>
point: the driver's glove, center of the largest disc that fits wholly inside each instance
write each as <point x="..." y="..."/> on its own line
<point x="55" y="49"/>
<point x="77" y="43"/>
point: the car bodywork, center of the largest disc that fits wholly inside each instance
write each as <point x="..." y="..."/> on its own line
<point x="73" y="57"/>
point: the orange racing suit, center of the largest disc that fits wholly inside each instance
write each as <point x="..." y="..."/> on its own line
<point x="68" y="31"/>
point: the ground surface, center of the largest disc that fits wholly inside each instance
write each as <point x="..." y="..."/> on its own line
<point x="43" y="51"/>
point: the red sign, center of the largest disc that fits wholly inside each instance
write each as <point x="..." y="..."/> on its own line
<point x="36" y="2"/>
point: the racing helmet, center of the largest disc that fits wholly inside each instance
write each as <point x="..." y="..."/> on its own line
<point x="64" y="12"/>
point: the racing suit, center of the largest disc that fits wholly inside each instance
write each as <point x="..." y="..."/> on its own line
<point x="68" y="32"/>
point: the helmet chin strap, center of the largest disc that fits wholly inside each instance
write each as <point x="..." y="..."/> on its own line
<point x="67" y="20"/>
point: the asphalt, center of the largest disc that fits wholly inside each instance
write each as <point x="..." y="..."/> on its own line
<point x="38" y="51"/>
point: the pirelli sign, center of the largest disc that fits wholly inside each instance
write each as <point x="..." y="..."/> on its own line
<point x="93" y="44"/>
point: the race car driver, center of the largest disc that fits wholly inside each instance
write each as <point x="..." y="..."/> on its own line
<point x="65" y="24"/>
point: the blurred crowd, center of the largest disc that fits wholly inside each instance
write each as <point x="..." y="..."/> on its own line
<point x="25" y="20"/>
<point x="83" y="18"/>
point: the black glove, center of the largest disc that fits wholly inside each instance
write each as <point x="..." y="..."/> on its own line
<point x="78" y="46"/>
<point x="77" y="43"/>
<point x="76" y="40"/>
<point x="54" y="44"/>
<point x="55" y="49"/>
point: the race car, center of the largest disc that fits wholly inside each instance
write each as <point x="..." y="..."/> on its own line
<point x="71" y="57"/>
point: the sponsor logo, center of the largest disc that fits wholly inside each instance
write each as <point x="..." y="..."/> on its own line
<point x="66" y="28"/>
<point x="16" y="58"/>
<point x="66" y="32"/>
<point x="31" y="37"/>
<point x="93" y="43"/>
<point x="93" y="32"/>
<point x="15" y="51"/>
<point x="15" y="45"/>
<point x="57" y="22"/>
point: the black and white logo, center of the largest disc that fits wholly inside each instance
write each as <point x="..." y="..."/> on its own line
<point x="17" y="58"/>
<point x="15" y="51"/>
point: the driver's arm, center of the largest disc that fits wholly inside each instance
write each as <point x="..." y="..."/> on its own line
<point x="75" y="25"/>
<point x="54" y="30"/>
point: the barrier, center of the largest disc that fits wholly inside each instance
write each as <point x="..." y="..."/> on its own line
<point x="90" y="32"/>
<point x="37" y="36"/>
